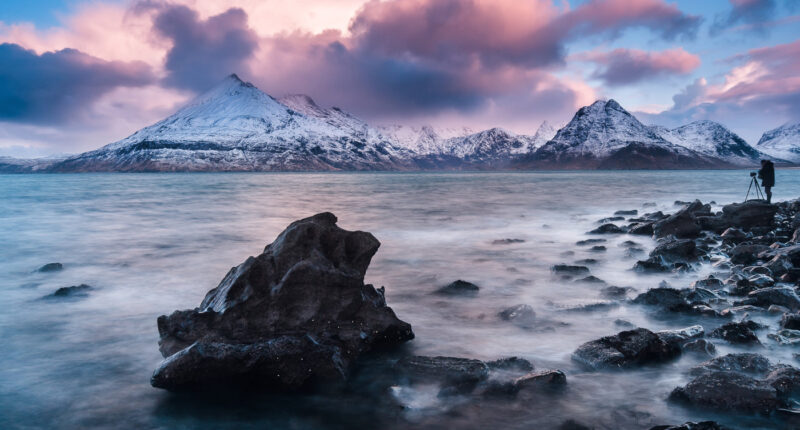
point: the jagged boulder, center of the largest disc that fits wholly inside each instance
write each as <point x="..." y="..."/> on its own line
<point x="679" y="250"/>
<point x="682" y="224"/>
<point x="297" y="314"/>
<point x="626" y="349"/>
<point x="752" y="213"/>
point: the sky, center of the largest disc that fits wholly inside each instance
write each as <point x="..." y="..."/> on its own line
<point x="78" y="74"/>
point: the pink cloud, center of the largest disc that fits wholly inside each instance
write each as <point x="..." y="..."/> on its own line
<point x="627" y="66"/>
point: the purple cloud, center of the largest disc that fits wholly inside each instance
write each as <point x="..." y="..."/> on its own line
<point x="55" y="87"/>
<point x="628" y="66"/>
<point x="755" y="13"/>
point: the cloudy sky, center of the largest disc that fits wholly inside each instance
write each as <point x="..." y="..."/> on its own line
<point x="75" y="75"/>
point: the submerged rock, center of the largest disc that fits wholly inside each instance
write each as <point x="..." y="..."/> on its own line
<point x="519" y="314"/>
<point x="511" y="364"/>
<point x="459" y="288"/>
<point x="297" y="314"/>
<point x="729" y="391"/>
<point x="607" y="229"/>
<point x="50" y="267"/>
<point x="81" y="290"/>
<point x="462" y="373"/>
<point x="541" y="379"/>
<point x="764" y="297"/>
<point x="507" y="241"/>
<point x="625" y="349"/>
<point x="570" y="270"/>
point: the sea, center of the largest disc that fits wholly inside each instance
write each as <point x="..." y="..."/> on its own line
<point x="148" y="244"/>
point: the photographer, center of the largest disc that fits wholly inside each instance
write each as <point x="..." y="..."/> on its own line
<point x="767" y="176"/>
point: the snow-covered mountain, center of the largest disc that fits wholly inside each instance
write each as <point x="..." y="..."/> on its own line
<point x="543" y="135"/>
<point x="606" y="136"/>
<point x="712" y="139"/>
<point x="782" y="142"/>
<point x="237" y="127"/>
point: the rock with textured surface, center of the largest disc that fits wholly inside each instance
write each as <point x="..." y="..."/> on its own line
<point x="682" y="224"/>
<point x="625" y="349"/>
<point x="298" y="313"/>
<point x="752" y="213"/>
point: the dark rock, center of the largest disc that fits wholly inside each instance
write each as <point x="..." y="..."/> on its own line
<point x="702" y="425"/>
<point x="592" y="307"/>
<point x="573" y="425"/>
<point x="752" y="213"/>
<point x="625" y="349"/>
<point x="459" y="288"/>
<point x="779" y="265"/>
<point x="652" y="265"/>
<point x="629" y="244"/>
<point x="541" y="379"/>
<point x="614" y="292"/>
<point x="791" y="321"/>
<point x="764" y="297"/>
<point x="598" y="248"/>
<point x="589" y="242"/>
<point x="701" y="347"/>
<point x="736" y="332"/>
<point x="623" y="323"/>
<point x="626" y="212"/>
<point x="729" y="391"/>
<point x="744" y="362"/>
<point x="81" y="290"/>
<point x="297" y="314"/>
<point x="511" y="364"/>
<point x="50" y="267"/>
<point x="682" y="224"/>
<point x="586" y="261"/>
<point x="462" y="373"/>
<point x="642" y="228"/>
<point x="746" y="253"/>
<point x="681" y="336"/>
<point x="571" y="270"/>
<point x="699" y="295"/>
<point x="664" y="297"/>
<point x="507" y="241"/>
<point x="607" y="229"/>
<point x="734" y="235"/>
<point x="743" y="287"/>
<point x="610" y="219"/>
<point x="709" y="283"/>
<point x="591" y="280"/>
<point x="683" y="250"/>
<point x="520" y="314"/>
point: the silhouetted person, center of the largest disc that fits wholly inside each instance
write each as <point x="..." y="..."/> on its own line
<point x="767" y="176"/>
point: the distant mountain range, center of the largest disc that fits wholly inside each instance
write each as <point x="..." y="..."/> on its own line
<point x="237" y="127"/>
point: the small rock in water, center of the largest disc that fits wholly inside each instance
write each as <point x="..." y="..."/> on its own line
<point x="737" y="332"/>
<point x="459" y="288"/>
<point x="507" y="241"/>
<point x="589" y="242"/>
<point x="701" y="347"/>
<point x="625" y="349"/>
<point x="586" y="261"/>
<point x="460" y="373"/>
<point x="786" y="337"/>
<point x="702" y="425"/>
<point x="614" y="292"/>
<point x="571" y="270"/>
<point x="591" y="279"/>
<point x="511" y="364"/>
<point x="520" y="314"/>
<point x="744" y="362"/>
<point x="81" y="290"/>
<point x="626" y="212"/>
<point x="623" y="323"/>
<point x="50" y="267"/>
<point x="607" y="229"/>
<point x="541" y="379"/>
<point x="610" y="219"/>
<point x="709" y="283"/>
<point x="598" y="248"/>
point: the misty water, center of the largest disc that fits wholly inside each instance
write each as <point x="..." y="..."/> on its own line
<point x="153" y="243"/>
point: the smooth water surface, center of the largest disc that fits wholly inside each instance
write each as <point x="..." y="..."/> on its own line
<point x="153" y="243"/>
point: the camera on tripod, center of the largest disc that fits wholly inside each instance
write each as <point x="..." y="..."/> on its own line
<point x="753" y="174"/>
<point x="753" y="181"/>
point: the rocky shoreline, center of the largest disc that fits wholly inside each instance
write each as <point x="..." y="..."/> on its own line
<point x="299" y="317"/>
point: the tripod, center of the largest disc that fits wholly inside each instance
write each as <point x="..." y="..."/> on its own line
<point x="758" y="193"/>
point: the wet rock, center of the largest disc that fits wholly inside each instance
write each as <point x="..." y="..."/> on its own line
<point x="682" y="224"/>
<point x="746" y="253"/>
<point x="591" y="280"/>
<point x="633" y="252"/>
<point x="744" y="362"/>
<point x="676" y="250"/>
<point x="734" y="235"/>
<point x="729" y="391"/>
<point x="520" y="314"/>
<point x="295" y="315"/>
<point x="786" y="337"/>
<point x="607" y="229"/>
<point x="511" y="364"/>
<point x="625" y="349"/>
<point x="74" y="291"/>
<point x="642" y="228"/>
<point x="461" y="373"/>
<point x="791" y="321"/>
<point x="459" y="288"/>
<point x="592" y="307"/>
<point x="541" y="379"/>
<point x="776" y="309"/>
<point x="586" y="261"/>
<point x="586" y="242"/>
<point x="709" y="283"/>
<point x="623" y="323"/>
<point x="598" y="248"/>
<point x="614" y="292"/>
<point x="665" y="298"/>
<point x="652" y="265"/>
<point x="764" y="297"/>
<point x="752" y="213"/>
<point x="681" y="336"/>
<point x="702" y="425"/>
<point x="737" y="332"/>
<point x="610" y="219"/>
<point x="779" y="265"/>
<point x="757" y="270"/>
<point x="761" y="281"/>
<point x="570" y="270"/>
<point x="629" y="244"/>
<point x="507" y="241"/>
<point x="626" y="212"/>
<point x="700" y="347"/>
<point x="50" y="267"/>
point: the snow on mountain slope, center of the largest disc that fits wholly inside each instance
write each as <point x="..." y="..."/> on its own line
<point x="424" y="140"/>
<point x="236" y="126"/>
<point x="714" y="140"/>
<point x="605" y="135"/>
<point x="543" y="134"/>
<point x="782" y="142"/>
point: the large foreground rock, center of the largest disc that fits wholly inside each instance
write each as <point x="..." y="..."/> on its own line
<point x="626" y="349"/>
<point x="752" y="213"/>
<point x="297" y="314"/>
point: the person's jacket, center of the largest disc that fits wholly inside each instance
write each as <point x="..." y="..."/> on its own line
<point x="767" y="174"/>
